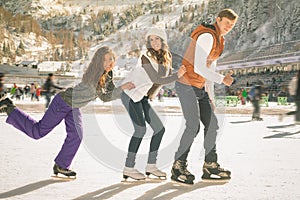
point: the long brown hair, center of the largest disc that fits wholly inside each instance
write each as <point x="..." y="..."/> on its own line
<point x="96" y="69"/>
<point x="163" y="56"/>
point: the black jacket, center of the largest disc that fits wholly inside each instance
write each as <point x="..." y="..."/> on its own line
<point x="49" y="85"/>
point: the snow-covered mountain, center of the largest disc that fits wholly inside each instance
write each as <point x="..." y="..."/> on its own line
<point x="67" y="29"/>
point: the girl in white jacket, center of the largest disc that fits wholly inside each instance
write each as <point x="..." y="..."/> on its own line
<point x="152" y="71"/>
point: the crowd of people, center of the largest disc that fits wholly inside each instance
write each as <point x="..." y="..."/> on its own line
<point x="275" y="85"/>
<point x="32" y="91"/>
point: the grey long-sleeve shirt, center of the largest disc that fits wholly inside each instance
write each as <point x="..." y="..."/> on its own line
<point x="82" y="94"/>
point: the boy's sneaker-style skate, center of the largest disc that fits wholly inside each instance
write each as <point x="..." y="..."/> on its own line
<point x="66" y="172"/>
<point x="130" y="172"/>
<point x="152" y="169"/>
<point x="180" y="172"/>
<point x="213" y="171"/>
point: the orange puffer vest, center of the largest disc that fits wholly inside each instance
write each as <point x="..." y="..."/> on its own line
<point x="190" y="77"/>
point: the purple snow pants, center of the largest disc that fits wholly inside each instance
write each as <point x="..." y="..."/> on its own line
<point x="57" y="111"/>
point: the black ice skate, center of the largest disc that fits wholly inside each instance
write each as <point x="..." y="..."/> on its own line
<point x="257" y="119"/>
<point x="6" y="105"/>
<point x="213" y="171"/>
<point x="180" y="173"/>
<point x="5" y="102"/>
<point x="2" y="96"/>
<point x="66" y="172"/>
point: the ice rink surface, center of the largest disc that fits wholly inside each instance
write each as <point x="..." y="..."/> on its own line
<point x="263" y="157"/>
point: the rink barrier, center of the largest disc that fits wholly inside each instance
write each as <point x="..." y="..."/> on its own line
<point x="226" y="101"/>
<point x="222" y="101"/>
<point x="264" y="101"/>
<point x="282" y="101"/>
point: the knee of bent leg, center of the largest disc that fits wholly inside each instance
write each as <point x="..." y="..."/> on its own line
<point x="79" y="130"/>
<point x="212" y="126"/>
<point x="139" y="131"/>
<point x="80" y="135"/>
<point x="159" y="128"/>
<point x="193" y="126"/>
<point x="161" y="131"/>
<point x="214" y="123"/>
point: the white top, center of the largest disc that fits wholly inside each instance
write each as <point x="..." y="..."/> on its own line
<point x="139" y="77"/>
<point x="204" y="46"/>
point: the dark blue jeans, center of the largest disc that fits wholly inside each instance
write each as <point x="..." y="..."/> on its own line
<point x="48" y="98"/>
<point x="196" y="107"/>
<point x="256" y="110"/>
<point x="140" y="113"/>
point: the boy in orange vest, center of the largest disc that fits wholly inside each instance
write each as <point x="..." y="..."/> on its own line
<point x="196" y="95"/>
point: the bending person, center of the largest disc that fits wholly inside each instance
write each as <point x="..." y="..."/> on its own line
<point x="152" y="71"/>
<point x="96" y="82"/>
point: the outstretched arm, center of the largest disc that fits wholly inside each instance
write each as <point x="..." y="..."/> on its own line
<point x="110" y="92"/>
<point x="153" y="74"/>
<point x="57" y="87"/>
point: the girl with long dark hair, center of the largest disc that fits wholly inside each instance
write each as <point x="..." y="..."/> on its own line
<point x="96" y="82"/>
<point x="154" y="69"/>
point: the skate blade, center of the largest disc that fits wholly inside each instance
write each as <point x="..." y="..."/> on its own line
<point x="181" y="179"/>
<point x="67" y="178"/>
<point x="3" y="97"/>
<point x="215" y="180"/>
<point x="129" y="180"/>
<point x="182" y="183"/>
<point x="3" y="106"/>
<point x="133" y="181"/>
<point x="155" y="179"/>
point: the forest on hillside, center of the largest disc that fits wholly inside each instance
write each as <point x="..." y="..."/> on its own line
<point x="70" y="34"/>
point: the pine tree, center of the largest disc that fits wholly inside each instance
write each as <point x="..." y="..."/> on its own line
<point x="4" y="50"/>
<point x="153" y="20"/>
<point x="21" y="49"/>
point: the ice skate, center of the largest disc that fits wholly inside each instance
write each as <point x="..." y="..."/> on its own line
<point x="6" y="105"/>
<point x="181" y="174"/>
<point x="67" y="174"/>
<point x="213" y="171"/>
<point x="5" y="102"/>
<point x="129" y="172"/>
<point x="2" y="96"/>
<point x="257" y="119"/>
<point x="151" y="169"/>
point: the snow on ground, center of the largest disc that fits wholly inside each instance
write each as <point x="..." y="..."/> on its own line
<point x="263" y="157"/>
